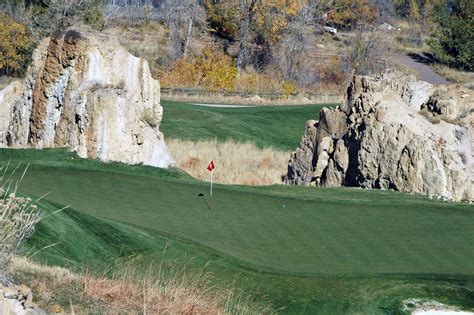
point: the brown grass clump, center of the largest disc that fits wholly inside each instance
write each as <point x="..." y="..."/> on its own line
<point x="280" y="99"/>
<point x="236" y="163"/>
<point x="455" y="75"/>
<point x="58" y="290"/>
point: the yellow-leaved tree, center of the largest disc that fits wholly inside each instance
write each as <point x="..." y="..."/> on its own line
<point x="15" y="46"/>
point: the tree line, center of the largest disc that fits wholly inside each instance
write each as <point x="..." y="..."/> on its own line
<point x="263" y="34"/>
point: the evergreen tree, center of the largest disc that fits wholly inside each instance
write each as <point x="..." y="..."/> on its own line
<point x="452" y="42"/>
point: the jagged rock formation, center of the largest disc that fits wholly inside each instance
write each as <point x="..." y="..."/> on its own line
<point x="85" y="92"/>
<point x="392" y="132"/>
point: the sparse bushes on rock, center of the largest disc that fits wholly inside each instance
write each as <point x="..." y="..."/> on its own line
<point x="150" y="118"/>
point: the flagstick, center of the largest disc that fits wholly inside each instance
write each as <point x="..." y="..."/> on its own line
<point x="211" y="181"/>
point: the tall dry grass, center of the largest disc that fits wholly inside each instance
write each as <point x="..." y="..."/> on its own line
<point x="132" y="291"/>
<point x="236" y="163"/>
<point x="333" y="97"/>
<point x="18" y="217"/>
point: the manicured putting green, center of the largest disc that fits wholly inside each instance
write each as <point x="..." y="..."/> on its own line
<point x="285" y="229"/>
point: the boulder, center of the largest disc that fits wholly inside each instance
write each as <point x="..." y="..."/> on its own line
<point x="391" y="132"/>
<point x="86" y="92"/>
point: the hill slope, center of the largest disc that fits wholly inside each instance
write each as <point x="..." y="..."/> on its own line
<point x="277" y="126"/>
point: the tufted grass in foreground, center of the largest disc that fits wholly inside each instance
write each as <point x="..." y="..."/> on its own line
<point x="131" y="291"/>
<point x="18" y="216"/>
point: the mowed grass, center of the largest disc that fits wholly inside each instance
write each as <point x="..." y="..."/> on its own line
<point x="309" y="250"/>
<point x="280" y="127"/>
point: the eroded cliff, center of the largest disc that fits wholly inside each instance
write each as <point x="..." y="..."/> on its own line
<point x="85" y="92"/>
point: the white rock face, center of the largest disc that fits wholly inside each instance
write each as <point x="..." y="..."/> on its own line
<point x="392" y="132"/>
<point x="86" y="92"/>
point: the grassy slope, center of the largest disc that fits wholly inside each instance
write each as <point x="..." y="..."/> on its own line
<point x="278" y="126"/>
<point x="326" y="250"/>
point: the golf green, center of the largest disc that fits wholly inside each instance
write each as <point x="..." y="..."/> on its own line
<point x="286" y="231"/>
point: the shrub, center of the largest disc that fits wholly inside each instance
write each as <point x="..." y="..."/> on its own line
<point x="213" y="71"/>
<point x="348" y="13"/>
<point x="95" y="17"/>
<point x="150" y="118"/>
<point x="288" y="88"/>
<point x="221" y="18"/>
<point x="15" y="46"/>
<point x="453" y="40"/>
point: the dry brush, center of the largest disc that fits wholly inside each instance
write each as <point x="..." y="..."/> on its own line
<point x="236" y="163"/>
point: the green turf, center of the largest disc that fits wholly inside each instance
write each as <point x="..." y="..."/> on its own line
<point x="278" y="126"/>
<point x="310" y="250"/>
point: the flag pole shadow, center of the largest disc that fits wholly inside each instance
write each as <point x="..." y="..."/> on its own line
<point x="208" y="205"/>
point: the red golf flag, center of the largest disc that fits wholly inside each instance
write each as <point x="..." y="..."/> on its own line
<point x="211" y="166"/>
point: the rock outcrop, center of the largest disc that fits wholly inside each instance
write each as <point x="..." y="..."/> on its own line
<point x="84" y="91"/>
<point x="392" y="132"/>
<point x="18" y="300"/>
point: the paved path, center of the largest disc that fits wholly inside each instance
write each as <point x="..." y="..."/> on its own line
<point x="425" y="73"/>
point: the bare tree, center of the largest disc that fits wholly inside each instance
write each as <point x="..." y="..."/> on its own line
<point x="181" y="16"/>
<point x="367" y="52"/>
<point x="246" y="13"/>
<point x="55" y="15"/>
<point x="190" y="29"/>
<point x="296" y="38"/>
<point x="110" y="11"/>
<point x="147" y="10"/>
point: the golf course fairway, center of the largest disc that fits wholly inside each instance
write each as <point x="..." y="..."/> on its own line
<point x="303" y="249"/>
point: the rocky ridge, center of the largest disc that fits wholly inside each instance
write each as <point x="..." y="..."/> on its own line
<point x="391" y="132"/>
<point x="84" y="91"/>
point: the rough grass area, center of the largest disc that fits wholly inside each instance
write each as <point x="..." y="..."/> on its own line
<point x="307" y="250"/>
<point x="279" y="127"/>
<point x="256" y="99"/>
<point x="236" y="163"/>
<point x="18" y="217"/>
<point x="456" y="76"/>
<point x="129" y="290"/>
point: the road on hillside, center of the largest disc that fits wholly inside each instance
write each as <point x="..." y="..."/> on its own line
<point x="418" y="63"/>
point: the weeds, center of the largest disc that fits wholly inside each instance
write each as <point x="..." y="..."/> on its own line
<point x="18" y="217"/>
<point x="132" y="290"/>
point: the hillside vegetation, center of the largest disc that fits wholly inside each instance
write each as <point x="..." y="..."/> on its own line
<point x="252" y="47"/>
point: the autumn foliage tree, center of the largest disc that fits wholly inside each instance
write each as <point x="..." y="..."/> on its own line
<point x="348" y="13"/>
<point x="15" y="46"/>
<point x="213" y="71"/>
